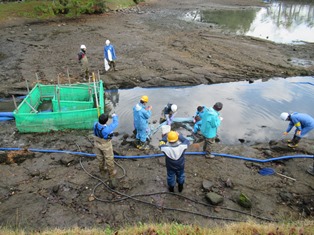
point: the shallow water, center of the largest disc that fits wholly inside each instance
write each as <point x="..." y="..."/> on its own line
<point x="279" y="21"/>
<point x="251" y="111"/>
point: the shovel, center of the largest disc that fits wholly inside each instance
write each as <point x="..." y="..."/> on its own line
<point x="271" y="171"/>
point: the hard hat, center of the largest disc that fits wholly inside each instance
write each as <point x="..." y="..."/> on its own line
<point x="83" y="47"/>
<point x="172" y="136"/>
<point x="174" y="108"/>
<point x="144" y="98"/>
<point x="218" y="106"/>
<point x="107" y="42"/>
<point x="284" y="116"/>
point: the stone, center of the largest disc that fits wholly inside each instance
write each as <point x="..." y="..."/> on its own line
<point x="214" y="198"/>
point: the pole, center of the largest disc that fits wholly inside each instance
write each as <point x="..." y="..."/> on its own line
<point x="14" y="101"/>
<point x="96" y="96"/>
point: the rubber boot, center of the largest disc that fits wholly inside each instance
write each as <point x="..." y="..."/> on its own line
<point x="180" y="188"/>
<point x="171" y="189"/>
<point x="294" y="142"/>
<point x="142" y="145"/>
<point x="112" y="183"/>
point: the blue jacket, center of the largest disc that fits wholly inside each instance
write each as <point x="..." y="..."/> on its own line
<point x="105" y="131"/>
<point x="174" y="152"/>
<point x="112" y="50"/>
<point x="210" y="123"/>
<point x="302" y="122"/>
<point x="197" y="126"/>
<point x="141" y="116"/>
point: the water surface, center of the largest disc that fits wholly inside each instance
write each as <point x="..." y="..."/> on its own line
<point x="279" y="21"/>
<point x="251" y="111"/>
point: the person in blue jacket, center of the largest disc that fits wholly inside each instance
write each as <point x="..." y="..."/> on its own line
<point x="103" y="147"/>
<point x="303" y="123"/>
<point x="174" y="145"/>
<point x="110" y="56"/>
<point x="211" y="120"/>
<point x="141" y="115"/>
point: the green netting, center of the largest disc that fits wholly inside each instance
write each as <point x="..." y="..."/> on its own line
<point x="72" y="107"/>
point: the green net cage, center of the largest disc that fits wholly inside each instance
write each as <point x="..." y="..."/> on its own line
<point x="60" y="107"/>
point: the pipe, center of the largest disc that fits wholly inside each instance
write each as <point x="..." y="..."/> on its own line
<point x="6" y="118"/>
<point x="161" y="155"/>
<point x="6" y="114"/>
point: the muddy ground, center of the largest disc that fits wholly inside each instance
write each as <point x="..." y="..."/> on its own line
<point x="154" y="48"/>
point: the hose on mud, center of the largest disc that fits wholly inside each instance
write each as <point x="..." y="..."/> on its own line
<point x="160" y="207"/>
<point x="161" y="155"/>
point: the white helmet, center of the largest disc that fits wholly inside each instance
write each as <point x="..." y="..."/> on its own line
<point x="107" y="42"/>
<point x="284" y="116"/>
<point x="174" y="108"/>
<point x="83" y="47"/>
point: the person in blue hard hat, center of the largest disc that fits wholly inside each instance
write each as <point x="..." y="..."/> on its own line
<point x="103" y="147"/>
<point x="141" y="115"/>
<point x="303" y="123"/>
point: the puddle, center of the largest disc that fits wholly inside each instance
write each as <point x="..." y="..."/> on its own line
<point x="251" y="111"/>
<point x="279" y="21"/>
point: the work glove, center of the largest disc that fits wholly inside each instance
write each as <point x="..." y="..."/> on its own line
<point x="285" y="133"/>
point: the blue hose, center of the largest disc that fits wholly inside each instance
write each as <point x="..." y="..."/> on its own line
<point x="6" y="118"/>
<point x="161" y="155"/>
<point x="6" y="114"/>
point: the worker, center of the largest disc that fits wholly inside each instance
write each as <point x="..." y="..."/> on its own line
<point x="174" y="145"/>
<point x="168" y="113"/>
<point x="82" y="58"/>
<point x="109" y="56"/>
<point x="141" y="115"/>
<point x="200" y="111"/>
<point x="103" y="146"/>
<point x="211" y="120"/>
<point x="303" y="123"/>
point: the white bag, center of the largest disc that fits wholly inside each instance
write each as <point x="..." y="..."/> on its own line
<point x="106" y="64"/>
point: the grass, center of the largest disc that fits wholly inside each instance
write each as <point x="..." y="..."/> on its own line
<point x="19" y="9"/>
<point x="305" y="227"/>
<point x="26" y="9"/>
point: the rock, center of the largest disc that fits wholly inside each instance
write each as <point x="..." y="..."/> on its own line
<point x="207" y="185"/>
<point x="55" y="188"/>
<point x="244" y="201"/>
<point x="214" y="198"/>
<point x="286" y="196"/>
<point x="229" y="183"/>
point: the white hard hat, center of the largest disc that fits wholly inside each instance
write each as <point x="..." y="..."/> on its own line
<point x="83" y="47"/>
<point x="284" y="116"/>
<point x="107" y="42"/>
<point x="174" y="108"/>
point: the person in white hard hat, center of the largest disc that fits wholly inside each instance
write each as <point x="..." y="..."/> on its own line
<point x="303" y="123"/>
<point x="109" y="56"/>
<point x="82" y="58"/>
<point x="168" y="113"/>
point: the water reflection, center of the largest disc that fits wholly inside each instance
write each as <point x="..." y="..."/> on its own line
<point x="251" y="111"/>
<point x="280" y="21"/>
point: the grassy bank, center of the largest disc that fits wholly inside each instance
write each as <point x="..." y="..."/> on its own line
<point x="295" y="228"/>
<point x="32" y="9"/>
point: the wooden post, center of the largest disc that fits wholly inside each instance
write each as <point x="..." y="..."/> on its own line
<point x="14" y="101"/>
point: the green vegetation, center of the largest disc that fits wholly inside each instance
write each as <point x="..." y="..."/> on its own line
<point x="35" y="9"/>
<point x="295" y="228"/>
